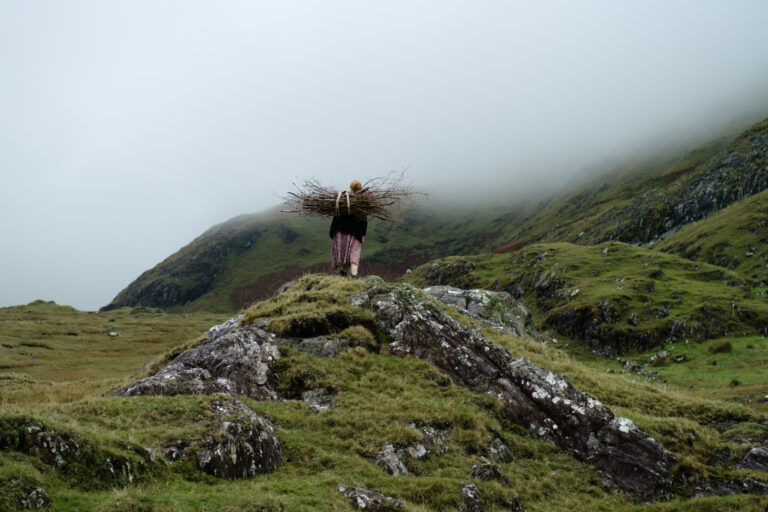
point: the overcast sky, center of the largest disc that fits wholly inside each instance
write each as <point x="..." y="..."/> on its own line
<point x="128" y="128"/>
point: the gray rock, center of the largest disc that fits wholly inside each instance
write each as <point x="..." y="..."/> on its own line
<point x="373" y="280"/>
<point x="756" y="459"/>
<point x="390" y="461"/>
<point x="35" y="500"/>
<point x="366" y="499"/>
<point x="471" y="500"/>
<point x="223" y="328"/>
<point x="498" y="451"/>
<point x="236" y="361"/>
<point x="680" y="358"/>
<point x="496" y="309"/>
<point x="320" y="346"/>
<point x="542" y="400"/>
<point x="71" y="454"/>
<point x="244" y="445"/>
<point x="319" y="399"/>
<point x="486" y="470"/>
<point x="284" y="287"/>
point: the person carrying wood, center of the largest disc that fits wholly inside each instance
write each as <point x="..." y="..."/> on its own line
<point x="347" y="233"/>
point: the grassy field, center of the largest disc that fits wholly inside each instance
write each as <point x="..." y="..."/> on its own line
<point x="68" y="382"/>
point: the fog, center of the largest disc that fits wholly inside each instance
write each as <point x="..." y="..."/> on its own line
<point x="128" y="128"/>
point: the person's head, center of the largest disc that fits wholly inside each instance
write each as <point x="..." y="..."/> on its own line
<point x="355" y="186"/>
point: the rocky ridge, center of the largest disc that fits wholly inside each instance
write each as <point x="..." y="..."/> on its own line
<point x="542" y="400"/>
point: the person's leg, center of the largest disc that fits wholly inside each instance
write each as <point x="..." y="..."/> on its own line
<point x="353" y="270"/>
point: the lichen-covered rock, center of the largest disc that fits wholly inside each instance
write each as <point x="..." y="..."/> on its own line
<point x="235" y="361"/>
<point x="495" y="309"/>
<point x="244" y="444"/>
<point x="319" y="399"/>
<point x="498" y="451"/>
<point x="756" y="459"/>
<point x="319" y="346"/>
<point x="80" y="459"/>
<point x="470" y="498"/>
<point x="486" y="470"/>
<point x="542" y="400"/>
<point x="366" y="499"/>
<point x="37" y="499"/>
<point x="390" y="462"/>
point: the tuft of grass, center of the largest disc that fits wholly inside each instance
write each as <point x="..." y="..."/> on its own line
<point x="720" y="347"/>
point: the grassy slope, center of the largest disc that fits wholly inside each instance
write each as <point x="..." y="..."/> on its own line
<point x="612" y="283"/>
<point x="727" y="237"/>
<point x="377" y="396"/>
<point x="245" y="258"/>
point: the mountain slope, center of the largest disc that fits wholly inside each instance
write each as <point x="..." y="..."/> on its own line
<point x="734" y="238"/>
<point x="246" y="258"/>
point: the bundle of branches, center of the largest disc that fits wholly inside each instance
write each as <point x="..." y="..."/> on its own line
<point x="378" y="198"/>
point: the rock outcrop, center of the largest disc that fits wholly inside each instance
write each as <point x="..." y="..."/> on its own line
<point x="37" y="499"/>
<point x="470" y="498"/>
<point x="80" y="459"/>
<point x="372" y="501"/>
<point x="756" y="459"/>
<point x="542" y="400"/>
<point x="234" y="360"/>
<point x="495" y="309"/>
<point x="243" y="445"/>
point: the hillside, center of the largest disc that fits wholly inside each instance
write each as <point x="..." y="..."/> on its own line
<point x="734" y="238"/>
<point x="354" y="415"/>
<point x="246" y="258"/>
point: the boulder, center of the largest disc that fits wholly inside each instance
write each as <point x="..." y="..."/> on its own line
<point x="319" y="399"/>
<point x="366" y="499"/>
<point x="234" y="361"/>
<point x="37" y="499"/>
<point x="243" y="445"/>
<point x="390" y="461"/>
<point x="470" y="498"/>
<point x="495" y="309"/>
<point x="756" y="459"/>
<point x="542" y="400"/>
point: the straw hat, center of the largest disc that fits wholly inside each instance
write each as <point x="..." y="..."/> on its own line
<point x="355" y="186"/>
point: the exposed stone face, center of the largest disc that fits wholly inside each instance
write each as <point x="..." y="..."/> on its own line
<point x="319" y="346"/>
<point x="542" y="400"/>
<point x="235" y="361"/>
<point x="756" y="459"/>
<point x="244" y="445"/>
<point x="496" y="309"/>
<point x="366" y="499"/>
<point x="72" y="455"/>
<point x="319" y="399"/>
<point x="470" y="498"/>
<point x="35" y="500"/>
<point x="390" y="462"/>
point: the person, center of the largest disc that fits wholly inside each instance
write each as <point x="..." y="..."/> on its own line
<point x="348" y="234"/>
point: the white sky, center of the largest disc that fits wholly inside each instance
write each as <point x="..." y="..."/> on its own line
<point x="128" y="128"/>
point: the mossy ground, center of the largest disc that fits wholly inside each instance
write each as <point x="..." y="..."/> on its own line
<point x="627" y="292"/>
<point x="376" y="396"/>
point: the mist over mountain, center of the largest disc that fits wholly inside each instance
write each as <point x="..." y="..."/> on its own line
<point x="129" y="129"/>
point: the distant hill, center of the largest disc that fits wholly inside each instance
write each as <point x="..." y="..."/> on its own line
<point x="244" y="259"/>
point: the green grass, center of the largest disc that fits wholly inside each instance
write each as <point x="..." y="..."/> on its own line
<point x="615" y="296"/>
<point x="734" y="238"/>
<point x="376" y="396"/>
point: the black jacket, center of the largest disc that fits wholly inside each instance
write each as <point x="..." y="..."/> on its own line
<point x="349" y="225"/>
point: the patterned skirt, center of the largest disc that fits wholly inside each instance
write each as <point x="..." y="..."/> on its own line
<point x="345" y="249"/>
